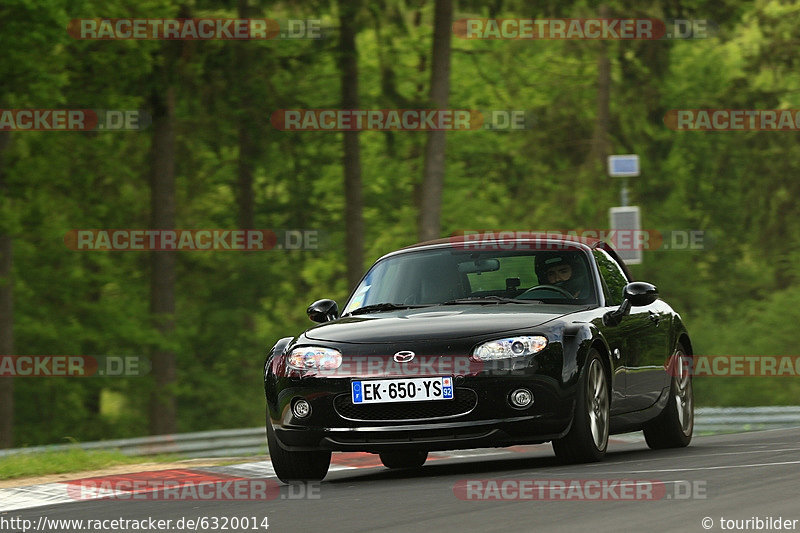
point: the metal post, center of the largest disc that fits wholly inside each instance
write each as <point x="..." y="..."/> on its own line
<point x="623" y="193"/>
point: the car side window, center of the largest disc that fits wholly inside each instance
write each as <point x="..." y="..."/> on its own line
<point x="612" y="275"/>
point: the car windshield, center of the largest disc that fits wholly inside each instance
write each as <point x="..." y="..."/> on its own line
<point x="455" y="276"/>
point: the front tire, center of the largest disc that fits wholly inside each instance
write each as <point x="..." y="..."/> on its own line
<point x="296" y="466"/>
<point x="674" y="426"/>
<point x="403" y="459"/>
<point x="587" y="439"/>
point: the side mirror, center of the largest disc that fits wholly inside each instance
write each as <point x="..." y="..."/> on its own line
<point x="640" y="293"/>
<point x="635" y="294"/>
<point x="323" y="311"/>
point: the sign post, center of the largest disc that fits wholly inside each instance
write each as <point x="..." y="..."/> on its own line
<point x="625" y="218"/>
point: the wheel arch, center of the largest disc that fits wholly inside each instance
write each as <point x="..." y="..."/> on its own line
<point x="269" y="363"/>
<point x="588" y="337"/>
<point x="683" y="338"/>
<point x="605" y="357"/>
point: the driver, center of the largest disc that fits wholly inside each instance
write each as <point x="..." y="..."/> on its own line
<point x="561" y="270"/>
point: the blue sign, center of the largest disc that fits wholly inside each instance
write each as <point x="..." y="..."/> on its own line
<point x="623" y="165"/>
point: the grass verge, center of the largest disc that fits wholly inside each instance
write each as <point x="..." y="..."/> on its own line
<point x="74" y="460"/>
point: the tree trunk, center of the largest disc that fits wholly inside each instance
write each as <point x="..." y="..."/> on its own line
<point x="245" y="195"/>
<point x="163" y="416"/>
<point x="353" y="218"/>
<point x="601" y="145"/>
<point x="434" y="163"/>
<point x="6" y="316"/>
<point x="247" y="148"/>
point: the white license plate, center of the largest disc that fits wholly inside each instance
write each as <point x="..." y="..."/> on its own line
<point x="402" y="390"/>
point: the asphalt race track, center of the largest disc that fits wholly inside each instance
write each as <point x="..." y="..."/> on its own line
<point x="730" y="477"/>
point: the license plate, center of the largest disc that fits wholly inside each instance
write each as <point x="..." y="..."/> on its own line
<point x="402" y="390"/>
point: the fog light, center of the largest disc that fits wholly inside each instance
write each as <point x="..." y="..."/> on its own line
<point x="521" y="398"/>
<point x="301" y="409"/>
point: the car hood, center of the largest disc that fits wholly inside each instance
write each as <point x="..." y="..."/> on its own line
<point x="438" y="323"/>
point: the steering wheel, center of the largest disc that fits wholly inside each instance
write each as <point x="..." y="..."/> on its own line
<point x="546" y="287"/>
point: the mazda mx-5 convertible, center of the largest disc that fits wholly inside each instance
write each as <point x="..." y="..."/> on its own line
<point x="461" y="343"/>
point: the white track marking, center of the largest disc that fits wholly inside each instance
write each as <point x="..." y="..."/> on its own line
<point x="604" y="463"/>
<point x="723" y="467"/>
<point x="16" y="498"/>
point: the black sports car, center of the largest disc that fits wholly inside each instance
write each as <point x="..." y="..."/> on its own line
<point x="456" y="344"/>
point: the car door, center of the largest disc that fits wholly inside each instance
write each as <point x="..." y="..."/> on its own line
<point x="647" y="374"/>
<point x="644" y="342"/>
<point x="653" y="376"/>
<point x="620" y="338"/>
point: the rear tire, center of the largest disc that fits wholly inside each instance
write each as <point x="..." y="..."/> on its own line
<point x="403" y="459"/>
<point x="674" y="426"/>
<point x="587" y="439"/>
<point x="296" y="466"/>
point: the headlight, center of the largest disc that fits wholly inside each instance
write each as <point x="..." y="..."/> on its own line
<point x="315" y="357"/>
<point x="509" y="347"/>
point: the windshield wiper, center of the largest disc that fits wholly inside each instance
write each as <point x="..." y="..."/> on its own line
<point x="383" y="307"/>
<point x="489" y="300"/>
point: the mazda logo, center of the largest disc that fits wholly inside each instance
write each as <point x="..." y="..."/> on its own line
<point x="404" y="357"/>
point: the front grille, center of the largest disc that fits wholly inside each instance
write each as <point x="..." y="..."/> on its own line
<point x="464" y="401"/>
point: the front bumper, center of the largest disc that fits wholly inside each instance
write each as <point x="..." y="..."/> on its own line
<point x="486" y="420"/>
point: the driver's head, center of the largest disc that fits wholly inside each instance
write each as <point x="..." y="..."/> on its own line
<point x="562" y="269"/>
<point x="558" y="272"/>
<point x="552" y="268"/>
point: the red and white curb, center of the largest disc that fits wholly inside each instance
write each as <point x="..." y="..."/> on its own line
<point x="18" y="498"/>
<point x="62" y="492"/>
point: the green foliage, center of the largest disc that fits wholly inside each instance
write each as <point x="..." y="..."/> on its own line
<point x="759" y="327"/>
